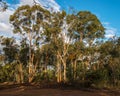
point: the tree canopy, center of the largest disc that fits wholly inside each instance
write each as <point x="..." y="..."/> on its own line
<point x="59" y="47"/>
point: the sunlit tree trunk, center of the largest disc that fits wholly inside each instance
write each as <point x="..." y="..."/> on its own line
<point x="59" y="70"/>
<point x="63" y="60"/>
<point x="21" y="73"/>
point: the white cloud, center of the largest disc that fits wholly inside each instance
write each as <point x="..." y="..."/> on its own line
<point x="25" y="2"/>
<point x="5" y="27"/>
<point x="48" y="4"/>
<point x="110" y="31"/>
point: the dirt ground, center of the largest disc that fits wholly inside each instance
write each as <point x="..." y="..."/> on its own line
<point x="36" y="91"/>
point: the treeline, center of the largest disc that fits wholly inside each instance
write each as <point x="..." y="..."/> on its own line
<point x="59" y="47"/>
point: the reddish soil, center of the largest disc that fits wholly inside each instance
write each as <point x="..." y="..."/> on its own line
<point x="37" y="91"/>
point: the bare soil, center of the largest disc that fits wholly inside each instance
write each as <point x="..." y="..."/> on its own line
<point x="30" y="90"/>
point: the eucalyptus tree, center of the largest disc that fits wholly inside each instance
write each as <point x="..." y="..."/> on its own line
<point x="87" y="29"/>
<point x="28" y="21"/>
<point x="52" y="32"/>
<point x="58" y="35"/>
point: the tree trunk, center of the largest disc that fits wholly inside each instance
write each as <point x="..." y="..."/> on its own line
<point x="21" y="74"/>
<point x="81" y="37"/>
<point x="30" y="65"/>
<point x="17" y="77"/>
<point x="63" y="60"/>
<point x="59" y="75"/>
<point x="65" y="77"/>
<point x="64" y="71"/>
<point x="75" y="69"/>
<point x="58" y="72"/>
<point x="31" y="68"/>
<point x="30" y="73"/>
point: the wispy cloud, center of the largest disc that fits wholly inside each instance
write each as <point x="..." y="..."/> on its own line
<point x="25" y="2"/>
<point x="110" y="31"/>
<point x="48" y="4"/>
<point x="5" y="27"/>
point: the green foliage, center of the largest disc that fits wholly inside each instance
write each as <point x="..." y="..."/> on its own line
<point x="10" y="49"/>
<point x="86" y="26"/>
<point x="57" y="44"/>
<point x="96" y="76"/>
<point x="7" y="73"/>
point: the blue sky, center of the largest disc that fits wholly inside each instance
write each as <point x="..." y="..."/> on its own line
<point x="106" y="10"/>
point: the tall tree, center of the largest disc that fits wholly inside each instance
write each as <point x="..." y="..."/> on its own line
<point x="28" y="22"/>
<point x="57" y="33"/>
<point x="87" y="29"/>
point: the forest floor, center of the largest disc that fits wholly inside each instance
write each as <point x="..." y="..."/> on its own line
<point x="32" y="90"/>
